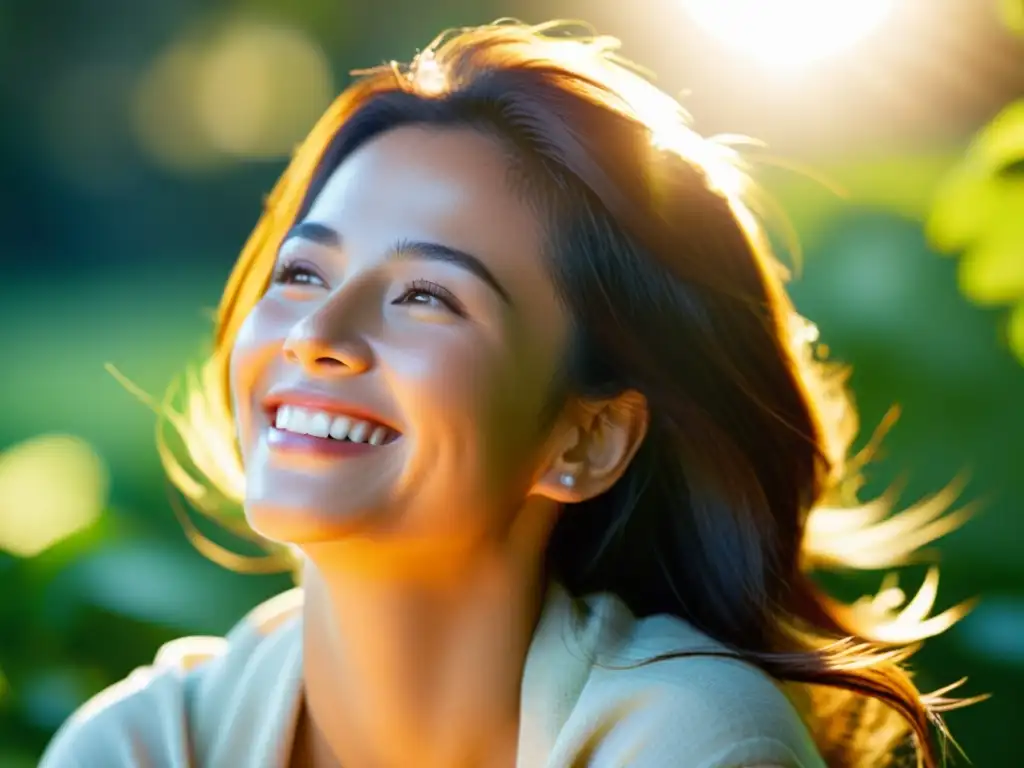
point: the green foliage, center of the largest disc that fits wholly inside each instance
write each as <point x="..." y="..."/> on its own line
<point x="979" y="210"/>
<point x="1013" y="14"/>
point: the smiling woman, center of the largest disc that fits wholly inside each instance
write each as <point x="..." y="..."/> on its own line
<point x="508" y="367"/>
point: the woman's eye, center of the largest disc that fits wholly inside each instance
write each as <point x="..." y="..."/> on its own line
<point x="425" y="293"/>
<point x="291" y="273"/>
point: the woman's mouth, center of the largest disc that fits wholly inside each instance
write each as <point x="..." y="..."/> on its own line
<point x="312" y="430"/>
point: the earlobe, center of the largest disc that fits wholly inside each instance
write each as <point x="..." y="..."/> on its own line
<point x="560" y="483"/>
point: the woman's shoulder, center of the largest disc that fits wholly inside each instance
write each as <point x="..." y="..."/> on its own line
<point x="658" y="692"/>
<point x="183" y="708"/>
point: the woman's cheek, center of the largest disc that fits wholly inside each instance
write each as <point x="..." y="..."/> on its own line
<point x="450" y="378"/>
<point x="256" y="347"/>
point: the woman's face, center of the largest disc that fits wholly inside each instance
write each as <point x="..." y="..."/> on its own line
<point x="390" y="383"/>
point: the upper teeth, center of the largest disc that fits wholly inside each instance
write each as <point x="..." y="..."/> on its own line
<point x="306" y="421"/>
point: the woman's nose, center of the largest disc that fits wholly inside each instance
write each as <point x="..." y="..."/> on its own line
<point x="325" y="356"/>
<point x="330" y="339"/>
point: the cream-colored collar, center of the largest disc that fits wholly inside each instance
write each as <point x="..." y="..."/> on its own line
<point x="570" y="637"/>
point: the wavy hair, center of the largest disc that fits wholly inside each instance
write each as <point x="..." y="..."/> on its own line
<point x="744" y="485"/>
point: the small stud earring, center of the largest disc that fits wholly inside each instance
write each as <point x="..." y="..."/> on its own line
<point x="567" y="480"/>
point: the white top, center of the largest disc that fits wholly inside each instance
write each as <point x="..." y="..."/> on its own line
<point x="234" y="702"/>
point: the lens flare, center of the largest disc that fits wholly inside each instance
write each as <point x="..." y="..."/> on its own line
<point x="788" y="33"/>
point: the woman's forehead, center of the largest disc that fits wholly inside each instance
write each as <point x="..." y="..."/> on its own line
<point x="447" y="185"/>
<point x="448" y="172"/>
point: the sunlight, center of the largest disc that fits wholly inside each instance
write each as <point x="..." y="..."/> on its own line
<point x="786" y="34"/>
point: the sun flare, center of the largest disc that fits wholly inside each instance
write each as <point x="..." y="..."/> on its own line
<point x="786" y="34"/>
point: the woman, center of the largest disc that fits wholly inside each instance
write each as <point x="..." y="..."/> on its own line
<point x="512" y="373"/>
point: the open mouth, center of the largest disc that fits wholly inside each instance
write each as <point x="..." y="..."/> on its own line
<point x="312" y="422"/>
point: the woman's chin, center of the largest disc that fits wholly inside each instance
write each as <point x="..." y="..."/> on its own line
<point x="299" y="525"/>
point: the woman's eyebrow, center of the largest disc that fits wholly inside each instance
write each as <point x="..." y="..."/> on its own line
<point x="420" y="249"/>
<point x="322" y="234"/>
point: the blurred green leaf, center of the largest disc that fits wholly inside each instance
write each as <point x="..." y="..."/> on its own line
<point x="1001" y="142"/>
<point x="980" y="192"/>
<point x="979" y="209"/>
<point x="992" y="270"/>
<point x="1012" y="12"/>
<point x="979" y="213"/>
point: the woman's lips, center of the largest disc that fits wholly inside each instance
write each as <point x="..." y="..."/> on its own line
<point x="281" y="439"/>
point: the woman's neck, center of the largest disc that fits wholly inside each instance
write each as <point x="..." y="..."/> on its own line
<point x="404" y="672"/>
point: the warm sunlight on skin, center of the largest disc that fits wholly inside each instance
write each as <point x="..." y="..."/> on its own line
<point x="788" y="34"/>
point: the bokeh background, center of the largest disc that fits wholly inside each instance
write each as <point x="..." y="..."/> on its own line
<point x="137" y="140"/>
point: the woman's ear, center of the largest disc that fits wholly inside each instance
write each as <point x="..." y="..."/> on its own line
<point x="599" y="442"/>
